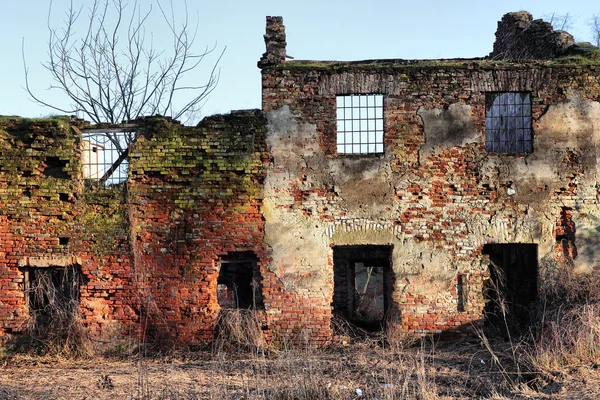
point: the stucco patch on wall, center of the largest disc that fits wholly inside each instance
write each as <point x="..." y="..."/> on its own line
<point x="446" y="128"/>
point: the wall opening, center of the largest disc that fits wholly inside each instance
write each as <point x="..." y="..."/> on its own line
<point x="239" y="282"/>
<point x="359" y="124"/>
<point x="363" y="284"/>
<point x="55" y="168"/>
<point x="513" y="284"/>
<point x="52" y="298"/>
<point x="104" y="156"/>
<point x="508" y="122"/>
<point x="461" y="292"/>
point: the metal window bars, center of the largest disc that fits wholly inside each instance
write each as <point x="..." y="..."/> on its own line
<point x="360" y="124"/>
<point x="508" y="123"/>
<point x="101" y="153"/>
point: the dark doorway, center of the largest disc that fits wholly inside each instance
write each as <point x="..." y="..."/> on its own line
<point x="52" y="296"/>
<point x="362" y="284"/>
<point x="513" y="282"/>
<point x="238" y="285"/>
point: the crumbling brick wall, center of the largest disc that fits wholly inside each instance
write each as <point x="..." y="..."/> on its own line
<point x="520" y="37"/>
<point x="50" y="221"/>
<point x="434" y="195"/>
<point x="194" y="196"/>
<point x="428" y="217"/>
<point x="148" y="255"/>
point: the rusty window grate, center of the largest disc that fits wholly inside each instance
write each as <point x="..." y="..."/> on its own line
<point x="360" y="124"/>
<point x="508" y="123"/>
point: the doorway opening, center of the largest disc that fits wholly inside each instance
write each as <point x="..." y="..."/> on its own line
<point x="513" y="282"/>
<point x="52" y="296"/>
<point x="239" y="282"/>
<point x="362" y="284"/>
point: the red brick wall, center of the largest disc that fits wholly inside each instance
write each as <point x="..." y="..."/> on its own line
<point x="451" y="201"/>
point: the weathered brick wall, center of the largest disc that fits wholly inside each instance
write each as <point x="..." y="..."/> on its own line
<point x="435" y="195"/>
<point x="194" y="196"/>
<point x="148" y="255"/>
<point x="49" y="220"/>
<point x="272" y="185"/>
<point x="33" y="193"/>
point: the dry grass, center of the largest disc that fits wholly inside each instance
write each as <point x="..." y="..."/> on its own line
<point x="54" y="326"/>
<point x="566" y="339"/>
<point x="560" y="353"/>
<point x="239" y="330"/>
<point x="424" y="372"/>
<point x="559" y="358"/>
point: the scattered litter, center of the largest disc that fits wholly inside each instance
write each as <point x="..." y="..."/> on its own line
<point x="358" y="392"/>
<point x="483" y="362"/>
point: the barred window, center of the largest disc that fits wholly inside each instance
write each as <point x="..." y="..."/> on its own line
<point x="102" y="157"/>
<point x="360" y="124"/>
<point x="508" y="122"/>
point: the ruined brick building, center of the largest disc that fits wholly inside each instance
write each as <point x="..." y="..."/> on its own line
<point x="361" y="189"/>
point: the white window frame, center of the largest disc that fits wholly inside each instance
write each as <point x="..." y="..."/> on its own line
<point x="359" y="121"/>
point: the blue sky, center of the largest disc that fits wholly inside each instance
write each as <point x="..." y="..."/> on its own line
<point x="316" y="30"/>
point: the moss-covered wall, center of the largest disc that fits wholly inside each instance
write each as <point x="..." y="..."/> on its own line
<point x="48" y="220"/>
<point x="147" y="249"/>
<point x="38" y="191"/>
<point x="194" y="196"/>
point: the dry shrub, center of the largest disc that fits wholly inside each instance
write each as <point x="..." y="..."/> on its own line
<point x="238" y="330"/>
<point x="345" y="329"/>
<point x="571" y="289"/>
<point x="569" y="341"/>
<point x="567" y="336"/>
<point x="397" y="338"/>
<point x="54" y="326"/>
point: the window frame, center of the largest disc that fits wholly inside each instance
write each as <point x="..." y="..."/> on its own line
<point x="361" y="135"/>
<point x="508" y="122"/>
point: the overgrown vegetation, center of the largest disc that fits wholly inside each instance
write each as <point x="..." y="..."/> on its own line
<point x="54" y="326"/>
<point x="566" y="338"/>
<point x="239" y="330"/>
<point x="558" y="356"/>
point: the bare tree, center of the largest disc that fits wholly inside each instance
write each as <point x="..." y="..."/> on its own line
<point x="594" y="24"/>
<point x="112" y="73"/>
<point x="562" y="22"/>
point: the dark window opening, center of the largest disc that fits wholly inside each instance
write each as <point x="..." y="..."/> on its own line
<point x="359" y="124"/>
<point x="461" y="291"/>
<point x="63" y="241"/>
<point x="513" y="284"/>
<point x="63" y="197"/>
<point x="52" y="296"/>
<point x="508" y="122"/>
<point x="362" y="284"/>
<point x="55" y="168"/>
<point x="239" y="282"/>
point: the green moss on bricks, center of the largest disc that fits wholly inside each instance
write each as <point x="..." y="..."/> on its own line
<point x="104" y="220"/>
<point x="219" y="144"/>
<point x="591" y="57"/>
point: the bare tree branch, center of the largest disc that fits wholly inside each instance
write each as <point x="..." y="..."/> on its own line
<point x="562" y="22"/>
<point x="112" y="73"/>
<point x="594" y="24"/>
